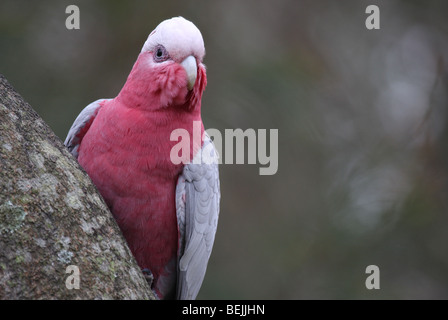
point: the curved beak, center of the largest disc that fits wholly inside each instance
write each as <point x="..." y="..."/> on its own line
<point x="190" y="66"/>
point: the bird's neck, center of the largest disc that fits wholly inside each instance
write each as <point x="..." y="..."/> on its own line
<point x="148" y="93"/>
<point x="137" y="94"/>
<point x="157" y="88"/>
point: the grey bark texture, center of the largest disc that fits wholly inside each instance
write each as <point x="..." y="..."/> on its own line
<point x="52" y="216"/>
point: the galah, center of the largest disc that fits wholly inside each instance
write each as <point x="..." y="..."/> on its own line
<point x="167" y="211"/>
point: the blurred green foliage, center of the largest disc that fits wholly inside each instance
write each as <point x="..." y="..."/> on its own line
<point x="362" y="119"/>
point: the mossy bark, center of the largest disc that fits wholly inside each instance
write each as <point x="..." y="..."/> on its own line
<point x="52" y="216"/>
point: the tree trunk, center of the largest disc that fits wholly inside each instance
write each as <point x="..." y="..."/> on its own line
<point x="52" y="217"/>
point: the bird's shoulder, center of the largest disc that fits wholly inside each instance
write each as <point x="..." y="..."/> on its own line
<point x="82" y="124"/>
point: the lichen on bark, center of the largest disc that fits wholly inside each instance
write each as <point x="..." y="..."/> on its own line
<point x="52" y="216"/>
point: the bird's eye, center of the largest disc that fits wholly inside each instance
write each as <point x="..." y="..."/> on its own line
<point x="160" y="54"/>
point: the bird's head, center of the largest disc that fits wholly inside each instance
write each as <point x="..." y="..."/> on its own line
<point x="169" y="69"/>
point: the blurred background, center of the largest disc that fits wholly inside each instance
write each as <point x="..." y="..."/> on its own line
<point x="362" y="119"/>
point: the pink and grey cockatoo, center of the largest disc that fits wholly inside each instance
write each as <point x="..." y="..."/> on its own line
<point x="167" y="212"/>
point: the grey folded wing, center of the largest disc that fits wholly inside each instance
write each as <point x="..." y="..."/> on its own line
<point x="197" y="209"/>
<point x="81" y="125"/>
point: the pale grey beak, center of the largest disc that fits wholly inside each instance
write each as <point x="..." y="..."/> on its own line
<point x="191" y="68"/>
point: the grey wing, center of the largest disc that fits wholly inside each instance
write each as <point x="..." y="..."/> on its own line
<point x="197" y="209"/>
<point x="76" y="132"/>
